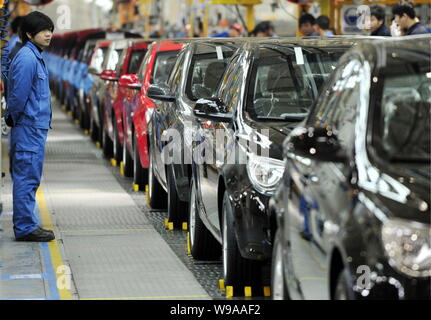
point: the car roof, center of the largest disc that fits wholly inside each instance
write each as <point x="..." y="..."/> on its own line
<point x="412" y="47"/>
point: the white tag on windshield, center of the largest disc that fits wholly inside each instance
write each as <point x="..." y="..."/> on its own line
<point x="298" y="55"/>
<point x="219" y="53"/>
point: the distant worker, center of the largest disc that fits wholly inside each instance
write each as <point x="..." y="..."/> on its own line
<point x="235" y="30"/>
<point x="322" y="26"/>
<point x="306" y="25"/>
<point x="29" y="114"/>
<point x="264" y="29"/>
<point x="377" y="26"/>
<point x="14" y="39"/>
<point x="405" y="16"/>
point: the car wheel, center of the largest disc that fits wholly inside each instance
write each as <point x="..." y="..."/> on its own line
<point x="117" y="150"/>
<point x="127" y="161"/>
<point x="106" y="144"/>
<point x="94" y="131"/>
<point x="203" y="245"/>
<point x="278" y="286"/>
<point x="342" y="289"/>
<point x="237" y="271"/>
<point x="177" y="209"/>
<point x="140" y="174"/>
<point x="156" y="194"/>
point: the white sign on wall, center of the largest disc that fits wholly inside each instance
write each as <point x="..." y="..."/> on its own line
<point x="349" y="17"/>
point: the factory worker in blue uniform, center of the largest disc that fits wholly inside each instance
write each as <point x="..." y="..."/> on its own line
<point x="29" y="114"/>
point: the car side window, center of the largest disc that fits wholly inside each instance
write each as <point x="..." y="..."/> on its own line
<point x="338" y="107"/>
<point x="175" y="76"/>
<point x="231" y="84"/>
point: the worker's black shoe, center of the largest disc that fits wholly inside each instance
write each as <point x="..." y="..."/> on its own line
<point x="46" y="230"/>
<point x="39" y="235"/>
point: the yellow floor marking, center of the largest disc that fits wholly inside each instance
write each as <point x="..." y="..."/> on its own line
<point x="141" y="298"/>
<point x="53" y="247"/>
<point x="106" y="230"/>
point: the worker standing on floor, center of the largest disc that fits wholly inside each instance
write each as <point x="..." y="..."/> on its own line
<point x="29" y="114"/>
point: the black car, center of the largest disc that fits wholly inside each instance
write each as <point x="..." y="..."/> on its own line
<point x="195" y="75"/>
<point x="266" y="91"/>
<point x="353" y="210"/>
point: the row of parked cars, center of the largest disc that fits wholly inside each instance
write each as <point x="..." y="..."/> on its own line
<point x="309" y="156"/>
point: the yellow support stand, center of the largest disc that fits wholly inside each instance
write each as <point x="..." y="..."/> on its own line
<point x="229" y="292"/>
<point x="86" y="132"/>
<point x="221" y="284"/>
<point x="166" y="223"/>
<point x="189" y="251"/>
<point x="122" y="168"/>
<point x="185" y="226"/>
<point x="135" y="187"/>
<point x="69" y="113"/>
<point x="98" y="145"/>
<point x="171" y="226"/>
<point x="147" y="195"/>
<point x="247" y="292"/>
<point x="113" y="162"/>
<point x="267" y="291"/>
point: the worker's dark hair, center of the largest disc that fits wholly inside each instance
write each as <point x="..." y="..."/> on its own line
<point x="307" y="18"/>
<point x="264" y="26"/>
<point x="34" y="23"/>
<point x="323" y="22"/>
<point x="16" y="24"/>
<point x="378" y="12"/>
<point x="404" y="7"/>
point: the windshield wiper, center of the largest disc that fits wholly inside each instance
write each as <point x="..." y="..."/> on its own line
<point x="409" y="159"/>
<point x="284" y="118"/>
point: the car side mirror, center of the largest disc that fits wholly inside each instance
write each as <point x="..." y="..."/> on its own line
<point x="212" y="109"/>
<point x="109" y="75"/>
<point x="130" y="81"/>
<point x="315" y="143"/>
<point x="160" y="92"/>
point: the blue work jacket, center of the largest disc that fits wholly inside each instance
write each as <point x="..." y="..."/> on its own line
<point x="29" y="98"/>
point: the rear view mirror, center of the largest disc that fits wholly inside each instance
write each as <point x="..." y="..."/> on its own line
<point x="109" y="75"/>
<point x="130" y="81"/>
<point x="160" y="92"/>
<point x="212" y="109"/>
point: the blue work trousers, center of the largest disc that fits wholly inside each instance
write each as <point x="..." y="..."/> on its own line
<point x="27" y="156"/>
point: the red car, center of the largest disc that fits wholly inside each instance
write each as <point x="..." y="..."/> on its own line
<point x="138" y="107"/>
<point x="129" y="62"/>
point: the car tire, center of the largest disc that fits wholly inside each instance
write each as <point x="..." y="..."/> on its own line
<point x="106" y="144"/>
<point x="127" y="161"/>
<point x="157" y="195"/>
<point x="278" y="284"/>
<point x="237" y="271"/>
<point x="203" y="245"/>
<point x="177" y="209"/>
<point x="342" y="289"/>
<point x="140" y="174"/>
<point x="116" y="145"/>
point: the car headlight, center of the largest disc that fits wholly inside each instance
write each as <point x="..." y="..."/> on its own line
<point x="408" y="247"/>
<point x="264" y="172"/>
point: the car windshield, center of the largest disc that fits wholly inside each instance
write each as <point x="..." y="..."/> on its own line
<point x="135" y="60"/>
<point x="285" y="83"/>
<point x="406" y="107"/>
<point x="113" y="59"/>
<point x="163" y="65"/>
<point x="205" y="73"/>
<point x="99" y="58"/>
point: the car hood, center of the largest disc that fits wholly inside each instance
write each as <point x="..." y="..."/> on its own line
<point x="268" y="136"/>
